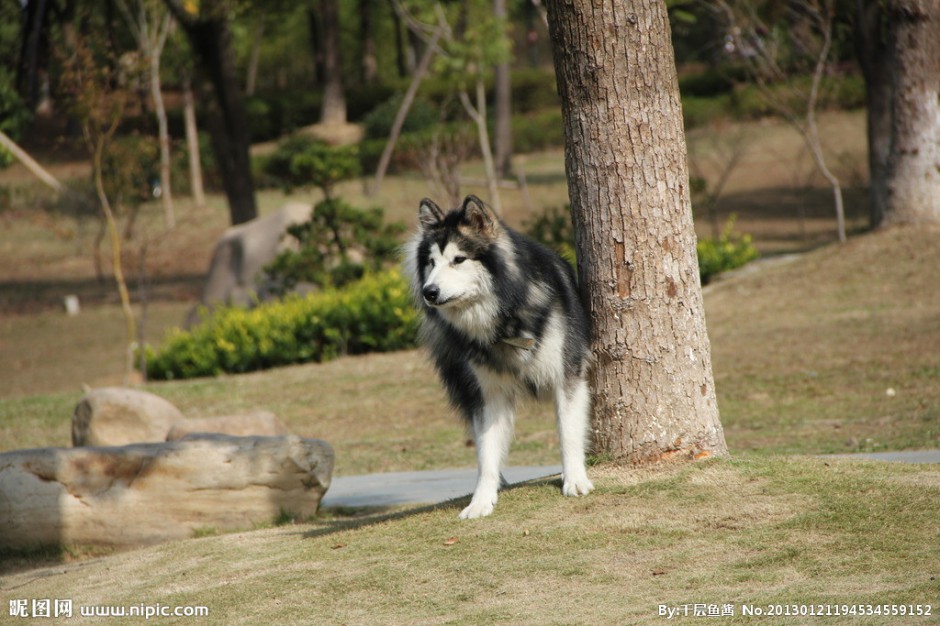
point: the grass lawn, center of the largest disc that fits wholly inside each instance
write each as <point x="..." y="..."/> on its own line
<point x="754" y="530"/>
<point x="837" y="350"/>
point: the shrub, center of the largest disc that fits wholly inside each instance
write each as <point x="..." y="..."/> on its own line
<point x="537" y="131"/>
<point x="553" y="228"/>
<point x="728" y="252"/>
<point x="373" y="315"/>
<point x="14" y="116"/>
<point x="272" y="114"/>
<point x="534" y="90"/>
<point x="131" y="169"/>
<point x="300" y="161"/>
<point x="337" y="245"/>
<point x="699" y="111"/>
<point x="379" y="122"/>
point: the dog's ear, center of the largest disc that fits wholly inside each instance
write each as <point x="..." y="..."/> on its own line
<point x="478" y="216"/>
<point x="429" y="214"/>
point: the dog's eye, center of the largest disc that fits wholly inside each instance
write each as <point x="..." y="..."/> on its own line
<point x="459" y="259"/>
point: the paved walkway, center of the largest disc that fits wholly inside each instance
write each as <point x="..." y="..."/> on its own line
<point x="418" y="487"/>
<point x="917" y="456"/>
<point x="398" y="488"/>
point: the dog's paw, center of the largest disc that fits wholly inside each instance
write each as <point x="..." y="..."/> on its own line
<point x="576" y="486"/>
<point x="479" y="507"/>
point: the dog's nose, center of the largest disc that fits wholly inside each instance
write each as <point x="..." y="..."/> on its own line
<point x="431" y="293"/>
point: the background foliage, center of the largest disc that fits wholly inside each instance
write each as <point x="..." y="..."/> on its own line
<point x="374" y="314"/>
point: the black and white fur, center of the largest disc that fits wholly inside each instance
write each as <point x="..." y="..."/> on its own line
<point x="502" y="319"/>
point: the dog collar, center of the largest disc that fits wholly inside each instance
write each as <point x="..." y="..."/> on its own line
<point x="525" y="343"/>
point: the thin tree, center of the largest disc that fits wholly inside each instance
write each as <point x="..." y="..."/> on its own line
<point x="465" y="60"/>
<point x="761" y="45"/>
<point x="402" y="114"/>
<point x="30" y="163"/>
<point x="99" y="102"/>
<point x="192" y="142"/>
<point x="150" y="24"/>
<point x="625" y="158"/>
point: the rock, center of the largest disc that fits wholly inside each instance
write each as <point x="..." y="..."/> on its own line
<point x="116" y="416"/>
<point x="235" y="272"/>
<point x="148" y="493"/>
<point x="258" y="423"/>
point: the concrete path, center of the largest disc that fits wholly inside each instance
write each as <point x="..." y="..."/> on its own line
<point x="398" y="488"/>
<point x="417" y="487"/>
<point x="917" y="456"/>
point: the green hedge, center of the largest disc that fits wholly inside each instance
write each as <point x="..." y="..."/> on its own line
<point x="373" y="315"/>
<point x="728" y="252"/>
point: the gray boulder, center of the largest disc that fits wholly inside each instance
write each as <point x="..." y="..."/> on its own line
<point x="257" y="423"/>
<point x="116" y="416"/>
<point x="242" y="251"/>
<point x="148" y="493"/>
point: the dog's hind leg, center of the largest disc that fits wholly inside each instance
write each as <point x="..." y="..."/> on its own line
<point x="572" y="409"/>
<point x="493" y="430"/>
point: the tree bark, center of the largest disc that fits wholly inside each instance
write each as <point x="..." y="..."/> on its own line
<point x="914" y="158"/>
<point x="368" y="61"/>
<point x="625" y="158"/>
<point x="192" y="144"/>
<point x="254" y="57"/>
<point x="502" y="106"/>
<point x="333" y="110"/>
<point x="871" y="50"/>
<point x="33" y="40"/>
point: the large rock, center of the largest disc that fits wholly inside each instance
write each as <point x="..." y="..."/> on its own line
<point x="148" y="493"/>
<point x="242" y="252"/>
<point x="116" y="416"/>
<point x="257" y="423"/>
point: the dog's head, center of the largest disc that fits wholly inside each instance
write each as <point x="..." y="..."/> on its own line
<point x="451" y="258"/>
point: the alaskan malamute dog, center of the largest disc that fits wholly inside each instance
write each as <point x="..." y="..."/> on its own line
<point x="502" y="318"/>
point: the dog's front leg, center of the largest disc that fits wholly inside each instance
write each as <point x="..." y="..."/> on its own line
<point x="572" y="408"/>
<point x="493" y="431"/>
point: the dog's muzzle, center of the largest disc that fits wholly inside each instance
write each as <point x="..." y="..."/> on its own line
<point x="431" y="294"/>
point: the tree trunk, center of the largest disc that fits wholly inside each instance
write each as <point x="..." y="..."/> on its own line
<point x="914" y="159"/>
<point x="400" y="63"/>
<point x="333" y="110"/>
<point x="402" y="112"/>
<point x="192" y="144"/>
<point x="254" y="57"/>
<point x="625" y="158"/>
<point x="229" y="128"/>
<point x="33" y="40"/>
<point x="37" y="170"/>
<point x="369" y="63"/>
<point x="478" y="115"/>
<point x="211" y="41"/>
<point x="156" y="92"/>
<point x="117" y="263"/>
<point x="871" y="50"/>
<point x="503" y="106"/>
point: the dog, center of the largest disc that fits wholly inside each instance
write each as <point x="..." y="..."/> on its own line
<point x="501" y="319"/>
